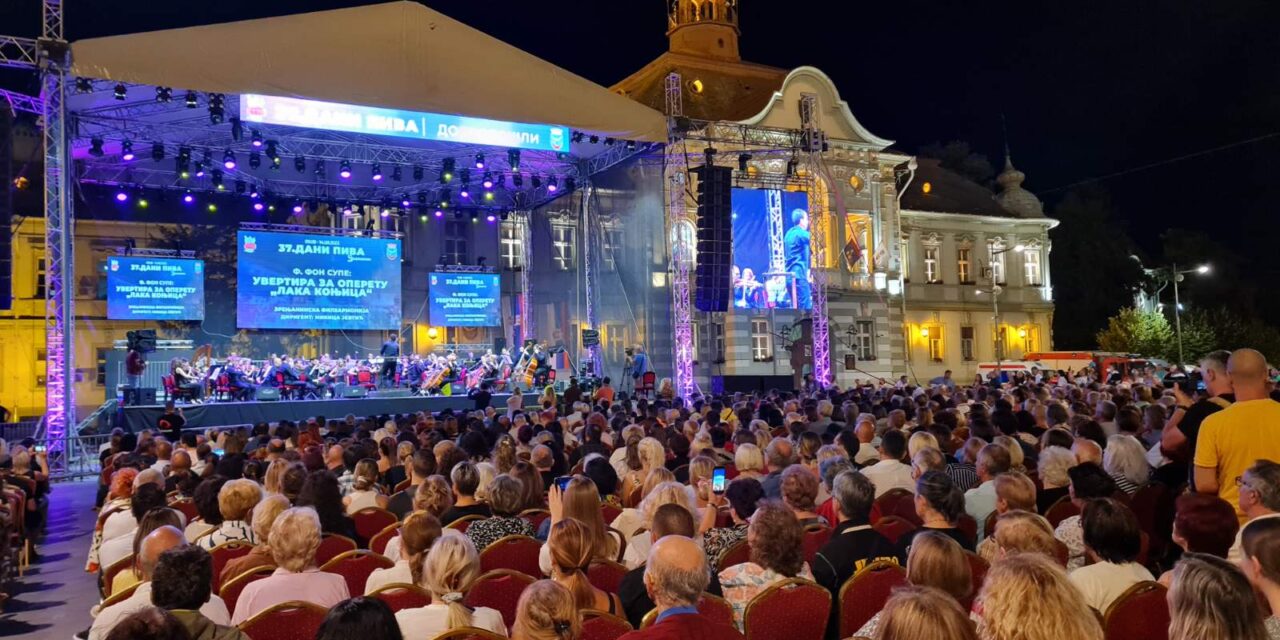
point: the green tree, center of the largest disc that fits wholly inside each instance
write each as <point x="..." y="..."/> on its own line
<point x="1199" y="337"/>
<point x="1135" y="331"/>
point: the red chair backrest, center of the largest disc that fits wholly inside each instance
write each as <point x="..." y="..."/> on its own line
<point x="536" y="517"/>
<point x="518" y="553"/>
<point x="499" y="590"/>
<point x="815" y="536"/>
<point x="230" y="592"/>
<point x="167" y="382"/>
<point x="598" y="625"/>
<point x="187" y="507"/>
<point x="1061" y="510"/>
<point x="378" y="543"/>
<point x="364" y="377"/>
<point x="792" y="608"/>
<point x="968" y="526"/>
<point x="865" y="594"/>
<point x="355" y="567"/>
<point x="224" y="382"/>
<point x="978" y="568"/>
<point x="1062" y="553"/>
<point x="1140" y="613"/>
<point x="609" y="513"/>
<point x="333" y="545"/>
<point x="464" y="523"/>
<point x="739" y="553"/>
<point x="292" y="620"/>
<point x="403" y="596"/>
<point x="606" y="575"/>
<point x="715" y="609"/>
<point x="895" y="502"/>
<point x="648" y="379"/>
<point x="893" y="528"/>
<point x="370" y="521"/>
<point x="224" y="553"/>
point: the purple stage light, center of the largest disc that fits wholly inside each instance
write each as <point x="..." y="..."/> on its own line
<point x="121" y="196"/>
<point x="188" y="198"/>
<point x="439" y="213"/>
<point x="127" y="156"/>
<point x="490" y="218"/>
<point x="377" y="177"/>
<point x="297" y="208"/>
<point x="488" y="183"/>
<point x="551" y="188"/>
<point x="464" y="193"/>
<point x="405" y="203"/>
<point x="230" y="164"/>
<point x="257" y="206"/>
<point x="386" y="213"/>
<point x="345" y="173"/>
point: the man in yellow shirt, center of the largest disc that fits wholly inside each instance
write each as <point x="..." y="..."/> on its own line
<point x="1233" y="439"/>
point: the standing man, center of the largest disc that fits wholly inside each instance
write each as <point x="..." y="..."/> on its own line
<point x="134" y="364"/>
<point x="628" y="363"/>
<point x="796" y="242"/>
<point x="1181" y="432"/>
<point x="390" y="354"/>
<point x="1233" y="439"/>
<point x="639" y="366"/>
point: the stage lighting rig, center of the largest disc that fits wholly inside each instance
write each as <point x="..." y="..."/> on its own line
<point x="517" y="179"/>
<point x="793" y="166"/>
<point x="300" y="164"/>
<point x="157" y="151"/>
<point x="215" y="179"/>
<point x="479" y="160"/>
<point x="240" y="186"/>
<point x="164" y="94"/>
<point x="422" y="198"/>
<point x="344" y="170"/>
<point x="255" y="137"/>
<point x="446" y="170"/>
<point x="84" y="85"/>
<point x="255" y="160"/>
<point x="126" y="150"/>
<point x="631" y="146"/>
<point x="396" y="174"/>
<point x="535" y="181"/>
<point x="551" y="185"/>
<point x="743" y="159"/>
<point x="229" y="160"/>
<point x="121" y="92"/>
<point x="513" y="159"/>
<point x="237" y="129"/>
<point x="570" y="184"/>
<point x="576" y="136"/>
<point x="376" y="172"/>
<point x="488" y="180"/>
<point x="188" y="197"/>
<point x="216" y="111"/>
<point x="417" y="173"/>
<point x="192" y="100"/>
<point x="95" y="147"/>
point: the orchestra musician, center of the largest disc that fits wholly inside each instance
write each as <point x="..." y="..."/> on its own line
<point x="184" y="378"/>
<point x="390" y="354"/>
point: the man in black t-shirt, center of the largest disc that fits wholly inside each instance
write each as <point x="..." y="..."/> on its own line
<point x="172" y="422"/>
<point x="853" y="544"/>
<point x="1178" y="440"/>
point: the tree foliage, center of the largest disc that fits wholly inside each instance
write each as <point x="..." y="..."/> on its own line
<point x="959" y="157"/>
<point x="1136" y="331"/>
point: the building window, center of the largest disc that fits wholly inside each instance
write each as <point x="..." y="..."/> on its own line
<point x="858" y="228"/>
<point x="562" y="240"/>
<point x="512" y="248"/>
<point x="612" y="242"/>
<point x="455" y="242"/>
<point x="100" y="359"/>
<point x="1031" y="262"/>
<point x="41" y="272"/>
<point x="864" y="338"/>
<point x="934" y="341"/>
<point x="614" y="342"/>
<point x="931" y="274"/>
<point x="995" y="254"/>
<point x="964" y="260"/>
<point x="904" y="258"/>
<point x="966" y="343"/>
<point x="761" y="340"/>
<point x="712" y="341"/>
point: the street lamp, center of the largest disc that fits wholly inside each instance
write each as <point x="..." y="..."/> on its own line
<point x="996" y="290"/>
<point x="1177" y="305"/>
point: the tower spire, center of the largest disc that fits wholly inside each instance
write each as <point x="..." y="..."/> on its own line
<point x="1012" y="196"/>
<point x="704" y="28"/>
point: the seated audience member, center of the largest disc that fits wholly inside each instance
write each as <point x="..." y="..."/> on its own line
<point x="1126" y="460"/>
<point x="669" y="520"/>
<point x="1260" y="559"/>
<point x="853" y="544"/>
<point x="466" y="480"/>
<point x="749" y="461"/>
<point x="1112" y="542"/>
<point x="964" y="472"/>
<point x="675" y="577"/>
<point x="580" y="501"/>
<point x="1210" y="598"/>
<point x="323" y="494"/>
<point x="422" y="467"/>
<point x="146" y="498"/>
<point x="294" y="539"/>
<point x="181" y="585"/>
<point x="206" y="499"/>
<point x="936" y="561"/>
<point x="1088" y="481"/>
<point x="236" y="500"/>
<point x="365" y="490"/>
<point x="1014" y="491"/>
<point x="1027" y="596"/>
<point x="1204" y="524"/>
<point x="800" y="494"/>
<point x="777" y="553"/>
<point x="1020" y="531"/>
<point x="980" y="501"/>
<point x="153" y="545"/>
<point x="571" y="555"/>
<point x="923" y="613"/>
<point x="451" y="566"/>
<point x="1259" y="498"/>
<point x="742" y="495"/>
<point x="359" y="619"/>
<point x="939" y="504"/>
<point x="505" y="494"/>
<point x="417" y="533"/>
<point x="1052" y="469"/>
<point x="535" y="494"/>
<point x="154" y="519"/>
<point x="890" y="472"/>
<point x="598" y="469"/>
<point x="665" y="493"/>
<point x="149" y="623"/>
<point x="632" y="518"/>
<point x="546" y="611"/>
<point x="264" y="515"/>
<point x="828" y="469"/>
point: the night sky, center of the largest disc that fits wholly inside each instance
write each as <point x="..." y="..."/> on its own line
<point x="1088" y="88"/>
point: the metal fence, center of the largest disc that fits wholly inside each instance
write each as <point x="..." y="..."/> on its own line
<point x="15" y="431"/>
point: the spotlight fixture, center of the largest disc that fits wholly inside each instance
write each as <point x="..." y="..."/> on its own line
<point x="192" y="100"/>
<point x="464" y="192"/>
<point x="445" y="198"/>
<point x="488" y="180"/>
<point x="417" y="173"/>
<point x="95" y="147"/>
<point x="608" y="142"/>
<point x="396" y="174"/>
<point x="215" y="179"/>
<point x="213" y="208"/>
<point x="216" y="111"/>
<point x="272" y="151"/>
<point x="504" y="214"/>
<point x="157" y="151"/>
<point x="551" y="185"/>
<point x="513" y="159"/>
<point x="297" y="207"/>
<point x="319" y="170"/>
<point x="164" y="94"/>
<point x="594" y="139"/>
<point x="377" y="172"/>
<point x="464" y="177"/>
<point x="240" y="187"/>
<point x="499" y="181"/>
<point x="183" y="165"/>
<point x="446" y="170"/>
<point x="475" y="216"/>
<point x="255" y="160"/>
<point x="122" y="195"/>
<point x="229" y="160"/>
<point x="488" y="196"/>
<point x="570" y="184"/>
<point x="535" y="181"/>
<point x="404" y="201"/>
<point x="345" y="169"/>
<point x="84" y="85"/>
<point x="479" y="160"/>
<point x="576" y="136"/>
<point x="490" y="217"/>
<point x="631" y="145"/>
<point x="188" y="197"/>
<point x="126" y="150"/>
<point x="743" y="159"/>
<point x="237" y="129"/>
<point x="517" y="179"/>
<point x="258" y="206"/>
<point x="422" y="198"/>
<point x="457" y="215"/>
<point x="300" y="164"/>
<point x="121" y="92"/>
<point x="439" y="213"/>
<point x="254" y="192"/>
<point x="255" y="137"/>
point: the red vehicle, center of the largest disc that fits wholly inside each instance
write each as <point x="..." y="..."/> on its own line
<point x="1122" y="363"/>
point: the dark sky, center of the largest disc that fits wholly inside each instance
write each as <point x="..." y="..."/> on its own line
<point x="1089" y="88"/>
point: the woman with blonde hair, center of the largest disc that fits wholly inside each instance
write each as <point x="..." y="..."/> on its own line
<point x="935" y="561"/>
<point x="294" y="539"/>
<point x="671" y="492"/>
<point x="264" y="515"/>
<point x="433" y="497"/>
<point x="923" y="613"/>
<point x="749" y="461"/>
<point x="1260" y="559"/>
<point x="1026" y="596"/>
<point x="1017" y="457"/>
<point x="579" y="501"/>
<point x="546" y="611"/>
<point x="451" y="566"/>
<point x="652" y="456"/>
<point x="487" y="472"/>
<point x="920" y="440"/>
<point x="571" y="556"/>
<point x="365" y="491"/>
<point x="236" y="499"/>
<point x="273" y="479"/>
<point x="504" y="454"/>
<point x="700" y="470"/>
<point x="631" y="519"/>
<point x="1019" y="531"/>
<point x="417" y="533"/>
<point x="1209" y="599"/>
<point x="534" y="494"/>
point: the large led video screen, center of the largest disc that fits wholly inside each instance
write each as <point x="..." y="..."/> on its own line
<point x="771" y="251"/>
<point x="140" y="288"/>
<point x="464" y="299"/>
<point x="301" y="281"/>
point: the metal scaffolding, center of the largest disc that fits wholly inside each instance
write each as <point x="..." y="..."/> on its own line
<point x="679" y="232"/>
<point x="811" y="136"/>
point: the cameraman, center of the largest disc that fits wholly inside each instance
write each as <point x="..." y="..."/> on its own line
<point x="1178" y="441"/>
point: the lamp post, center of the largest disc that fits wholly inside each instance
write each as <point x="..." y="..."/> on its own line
<point x="1177" y="276"/>
<point x="996" y="290"/>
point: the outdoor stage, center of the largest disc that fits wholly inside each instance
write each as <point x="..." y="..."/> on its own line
<point x="221" y="414"/>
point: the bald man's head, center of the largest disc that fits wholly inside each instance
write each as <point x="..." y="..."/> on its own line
<point x="1248" y="371"/>
<point x="1087" y="450"/>
<point x="676" y="573"/>
<point x="156" y="543"/>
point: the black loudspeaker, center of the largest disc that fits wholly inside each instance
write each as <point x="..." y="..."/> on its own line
<point x="143" y="340"/>
<point x="590" y="337"/>
<point x="267" y="394"/>
<point x="714" y="284"/>
<point x="135" y="396"/>
<point x="499" y="343"/>
<point x="354" y="392"/>
<point x="391" y="393"/>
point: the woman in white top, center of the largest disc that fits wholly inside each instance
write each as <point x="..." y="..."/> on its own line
<point x="632" y="519"/>
<point x="1112" y="540"/>
<point x="364" y="489"/>
<point x="451" y="566"/>
<point x="418" y="532"/>
<point x="666" y="493"/>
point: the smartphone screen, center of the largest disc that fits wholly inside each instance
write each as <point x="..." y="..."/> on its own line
<point x="40" y="448"/>
<point x="563" y="482"/>
<point x="218" y="452"/>
<point x="718" y="480"/>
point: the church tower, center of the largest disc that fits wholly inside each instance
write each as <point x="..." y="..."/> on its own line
<point x="1013" y="197"/>
<point x="704" y="28"/>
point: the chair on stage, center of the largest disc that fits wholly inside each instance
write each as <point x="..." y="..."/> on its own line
<point x="365" y="379"/>
<point x="648" y="383"/>
<point x="222" y="389"/>
<point x="174" y="392"/>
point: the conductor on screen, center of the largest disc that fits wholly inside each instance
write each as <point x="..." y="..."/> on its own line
<point x="390" y="353"/>
<point x="796" y="242"/>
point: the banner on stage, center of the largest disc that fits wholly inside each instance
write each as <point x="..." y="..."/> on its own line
<point x="140" y="288"/>
<point x="300" y="281"/>
<point x="464" y="299"/>
<point x="333" y="116"/>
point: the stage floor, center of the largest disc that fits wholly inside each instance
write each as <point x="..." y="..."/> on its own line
<point x="221" y="414"/>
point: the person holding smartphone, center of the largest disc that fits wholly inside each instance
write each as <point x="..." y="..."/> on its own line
<point x="1178" y="441"/>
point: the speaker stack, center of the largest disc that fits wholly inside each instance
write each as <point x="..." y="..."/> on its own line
<point x="715" y="236"/>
